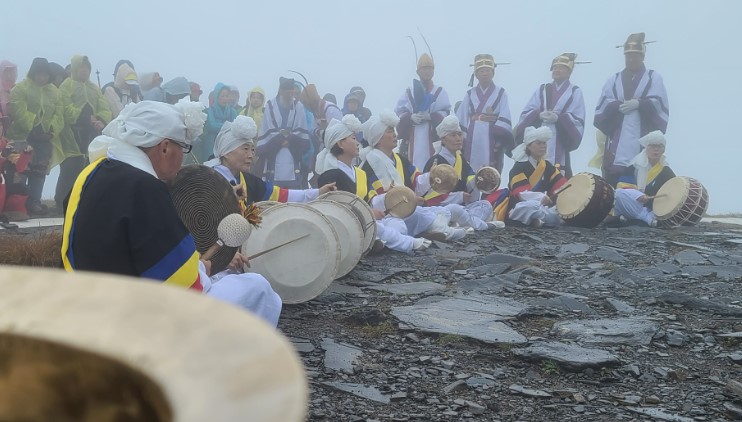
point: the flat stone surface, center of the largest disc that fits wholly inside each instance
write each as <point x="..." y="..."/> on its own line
<point x="422" y="287"/>
<point x="688" y="257"/>
<point x="302" y="345"/>
<point x="620" y="306"/>
<point x="676" y="298"/>
<point x="659" y="414"/>
<point x="569" y="356"/>
<point x="724" y="272"/>
<point x="669" y="268"/>
<point x="609" y="254"/>
<point x="503" y="258"/>
<point x="477" y="316"/>
<point x="627" y="331"/>
<point x="530" y="392"/>
<point x="493" y="269"/>
<point x="565" y="303"/>
<point x="379" y="276"/>
<point x="572" y="249"/>
<point x="340" y="356"/>
<point x="360" y="390"/>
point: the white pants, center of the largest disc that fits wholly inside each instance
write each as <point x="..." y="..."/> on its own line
<point x="393" y="232"/>
<point x="249" y="291"/>
<point x="626" y="204"/>
<point x="528" y="211"/>
<point x="475" y="214"/>
<point x="422" y="219"/>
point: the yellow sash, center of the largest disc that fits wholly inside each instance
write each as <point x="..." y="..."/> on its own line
<point x="654" y="172"/>
<point x="361" y="183"/>
<point x="398" y="165"/>
<point x="538" y="172"/>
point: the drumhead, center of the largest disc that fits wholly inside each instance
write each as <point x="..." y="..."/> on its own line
<point x="180" y="341"/>
<point x="301" y="270"/>
<point x="363" y="212"/>
<point x="575" y="198"/>
<point x="264" y="205"/>
<point x="487" y="179"/>
<point x="349" y="230"/>
<point x="671" y="197"/>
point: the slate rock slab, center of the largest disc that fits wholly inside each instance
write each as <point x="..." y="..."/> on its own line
<point x="572" y="249"/>
<point x="503" y="258"/>
<point x="609" y="254"/>
<point x="659" y="414"/>
<point x="477" y="316"/>
<point x="620" y="306"/>
<point x="724" y="272"/>
<point x="529" y="392"/>
<point x="626" y="331"/>
<point x="676" y="298"/>
<point x="569" y="356"/>
<point x="689" y="257"/>
<point x="302" y="345"/>
<point x="379" y="276"/>
<point x="402" y="289"/>
<point x="360" y="390"/>
<point x="565" y="303"/>
<point x="340" y="356"/>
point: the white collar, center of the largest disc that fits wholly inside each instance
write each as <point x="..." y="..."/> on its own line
<point x="348" y="170"/>
<point x="448" y="155"/>
<point x="131" y="155"/>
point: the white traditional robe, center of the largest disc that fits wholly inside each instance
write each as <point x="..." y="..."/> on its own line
<point x="485" y="141"/>
<point x="276" y="162"/>
<point x="422" y="136"/>
<point x="566" y="100"/>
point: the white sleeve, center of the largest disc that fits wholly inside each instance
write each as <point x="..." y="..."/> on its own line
<point x="305" y="195"/>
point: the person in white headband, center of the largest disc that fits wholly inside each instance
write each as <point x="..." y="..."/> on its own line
<point x="120" y="218"/>
<point x="234" y="149"/>
<point x="464" y="203"/>
<point x="534" y="181"/>
<point x="640" y="183"/>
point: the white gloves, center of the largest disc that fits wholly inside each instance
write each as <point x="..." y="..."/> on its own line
<point x="628" y="106"/>
<point x="418" y="118"/>
<point x="420" y="244"/>
<point x="548" y="117"/>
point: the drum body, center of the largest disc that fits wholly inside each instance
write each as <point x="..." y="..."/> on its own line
<point x="301" y="270"/>
<point x="349" y="230"/>
<point x="586" y="202"/>
<point x="681" y="201"/>
<point x="264" y="205"/>
<point x="362" y="210"/>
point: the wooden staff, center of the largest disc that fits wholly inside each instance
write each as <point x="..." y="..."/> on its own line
<point x="276" y="247"/>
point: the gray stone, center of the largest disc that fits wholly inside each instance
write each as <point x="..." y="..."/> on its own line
<point x="568" y="356"/>
<point x="669" y="268"/>
<point x="476" y="408"/>
<point x="494" y="269"/>
<point x="627" y="331"/>
<point x="735" y="357"/>
<point x="339" y="356"/>
<point x="634" y="370"/>
<point x="676" y="339"/>
<point x="660" y="414"/>
<point x="302" y="345"/>
<point x="477" y="316"/>
<point x="479" y="382"/>
<point x="454" y="386"/>
<point x="565" y="303"/>
<point x="609" y="254"/>
<point x="689" y="257"/>
<point x="503" y="258"/>
<point x="676" y="298"/>
<point x="724" y="272"/>
<point x="621" y="307"/>
<point x="732" y="411"/>
<point x="731" y="335"/>
<point x="379" y="276"/>
<point x="735" y="387"/>
<point x="630" y="400"/>
<point x="529" y="392"/>
<point x="572" y="249"/>
<point x="398" y="396"/>
<point x="579" y="409"/>
<point x="359" y="390"/>
<point x="422" y="287"/>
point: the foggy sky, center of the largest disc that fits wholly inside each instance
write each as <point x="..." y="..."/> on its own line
<point x="339" y="44"/>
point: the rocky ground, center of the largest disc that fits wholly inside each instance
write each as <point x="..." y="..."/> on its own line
<point x="533" y="325"/>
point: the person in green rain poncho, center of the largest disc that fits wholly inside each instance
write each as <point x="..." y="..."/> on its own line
<point x="86" y="113"/>
<point x="37" y="111"/>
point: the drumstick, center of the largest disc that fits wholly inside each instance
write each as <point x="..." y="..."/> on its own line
<point x="565" y="187"/>
<point x="656" y="196"/>
<point x="212" y="250"/>
<point x="275" y="247"/>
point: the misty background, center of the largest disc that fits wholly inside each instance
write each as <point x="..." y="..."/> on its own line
<point x="340" y="44"/>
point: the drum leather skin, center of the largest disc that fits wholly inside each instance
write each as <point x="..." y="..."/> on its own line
<point x="586" y="202"/>
<point x="363" y="212"/>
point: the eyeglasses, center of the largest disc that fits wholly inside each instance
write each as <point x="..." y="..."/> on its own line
<point x="186" y="147"/>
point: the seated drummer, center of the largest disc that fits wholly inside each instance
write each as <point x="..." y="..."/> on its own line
<point x="467" y="210"/>
<point x="234" y="149"/>
<point x="534" y="181"/>
<point x="385" y="168"/>
<point x="335" y="165"/>
<point x="120" y="218"/>
<point x="641" y="181"/>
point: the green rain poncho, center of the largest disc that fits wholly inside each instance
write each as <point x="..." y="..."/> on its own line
<point x="75" y="96"/>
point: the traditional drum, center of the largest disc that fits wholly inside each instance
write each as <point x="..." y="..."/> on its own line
<point x="202" y="198"/>
<point x="104" y="348"/>
<point x="264" y="205"/>
<point x="307" y="251"/>
<point x="349" y="230"/>
<point x="400" y="201"/>
<point x="487" y="179"/>
<point x="681" y="201"/>
<point x="443" y="178"/>
<point x="585" y="201"/>
<point x="362" y="210"/>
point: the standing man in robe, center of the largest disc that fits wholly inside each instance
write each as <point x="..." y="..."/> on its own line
<point x="283" y="140"/>
<point x="633" y="103"/>
<point x="485" y="117"/>
<point x="560" y="106"/>
<point x="420" y="110"/>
